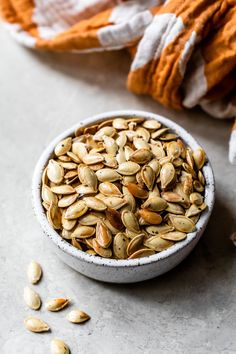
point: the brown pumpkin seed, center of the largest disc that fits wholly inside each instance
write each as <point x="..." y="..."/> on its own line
<point x="103" y="236"/>
<point x="137" y="191"/>
<point x="114" y="217"/>
<point x="103" y="252"/>
<point x="150" y="216"/>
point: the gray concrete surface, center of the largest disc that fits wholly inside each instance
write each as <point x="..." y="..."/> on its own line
<point x="189" y="310"/>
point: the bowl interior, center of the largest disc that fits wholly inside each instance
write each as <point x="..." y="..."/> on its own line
<point x="74" y="252"/>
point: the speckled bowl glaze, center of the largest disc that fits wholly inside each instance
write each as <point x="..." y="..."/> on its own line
<point x="113" y="270"/>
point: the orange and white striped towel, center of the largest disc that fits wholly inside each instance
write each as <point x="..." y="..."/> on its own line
<point x="184" y="51"/>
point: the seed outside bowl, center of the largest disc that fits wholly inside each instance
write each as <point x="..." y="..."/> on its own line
<point x="119" y="270"/>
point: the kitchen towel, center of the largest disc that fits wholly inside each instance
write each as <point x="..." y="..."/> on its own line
<point x="183" y="51"/>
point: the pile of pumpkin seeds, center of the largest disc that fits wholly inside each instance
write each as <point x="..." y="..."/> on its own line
<point x="124" y="188"/>
<point x="33" y="301"/>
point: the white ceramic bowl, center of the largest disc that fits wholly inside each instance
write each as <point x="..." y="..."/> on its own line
<point x="113" y="270"/>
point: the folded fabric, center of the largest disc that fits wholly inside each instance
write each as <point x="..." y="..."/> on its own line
<point x="184" y="51"/>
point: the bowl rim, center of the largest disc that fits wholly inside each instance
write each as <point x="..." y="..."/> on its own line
<point x="66" y="247"/>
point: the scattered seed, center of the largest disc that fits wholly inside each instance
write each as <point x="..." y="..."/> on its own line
<point x="58" y="346"/>
<point x="34" y="272"/>
<point x="36" y="325"/>
<point x="32" y="299"/>
<point x="56" y="304"/>
<point x="77" y="316"/>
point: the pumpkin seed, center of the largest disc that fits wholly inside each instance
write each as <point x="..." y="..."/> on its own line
<point x="48" y="196"/>
<point x="76" y="210"/>
<point x="141" y="156"/>
<point x="150" y="217"/>
<point x="90" y="219"/>
<point x="120" y="123"/>
<point x="108" y="175"/>
<point x="55" y="171"/>
<point x="56" y="304"/>
<point x="120" y="244"/>
<point x="154" y="204"/>
<point x="148" y="176"/>
<point x="137" y="191"/>
<point x="196" y="198"/>
<point x="103" y="252"/>
<point x="109" y="189"/>
<point x="128" y="168"/>
<point x="135" y="244"/>
<point x="103" y="236"/>
<point x="167" y="175"/>
<point x="54" y="216"/>
<point x="32" y="299"/>
<point x="115" y="202"/>
<point x="114" y="217"/>
<point x="63" y="189"/>
<point x="77" y="316"/>
<point x="159" y="229"/>
<point x="67" y="200"/>
<point x="199" y="157"/>
<point x="58" y="346"/>
<point x="95" y="203"/>
<point x="36" y="325"/>
<point x="76" y="244"/>
<point x="63" y="147"/>
<point x="130" y="221"/>
<point x="34" y="272"/>
<point x="144" y="252"/>
<point x="108" y="131"/>
<point x="182" y="223"/>
<point x="91" y="159"/>
<point x="151" y="124"/>
<point x="82" y="231"/>
<point x="79" y="149"/>
<point x="174" y="236"/>
<point x="157" y="243"/>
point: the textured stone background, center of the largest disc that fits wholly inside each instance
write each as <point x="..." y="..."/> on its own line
<point x="189" y="310"/>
